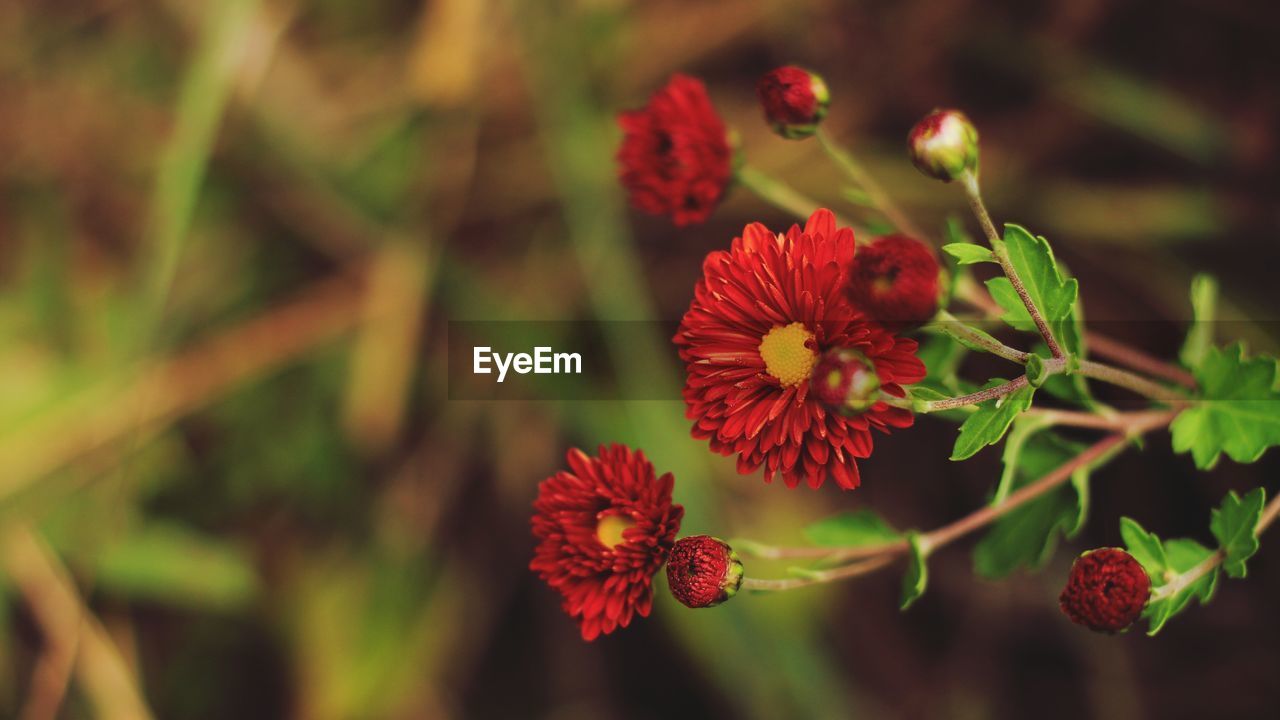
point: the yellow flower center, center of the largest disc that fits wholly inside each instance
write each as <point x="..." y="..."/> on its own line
<point x="785" y="354"/>
<point x="609" y="529"/>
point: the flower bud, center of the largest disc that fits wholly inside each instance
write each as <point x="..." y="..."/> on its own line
<point x="1106" y="590"/>
<point x="944" y="145"/>
<point x="896" y="281"/>
<point x="844" y="379"/>
<point x="794" y="101"/>
<point x="703" y="571"/>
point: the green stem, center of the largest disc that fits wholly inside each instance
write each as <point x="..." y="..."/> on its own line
<point x="782" y="196"/>
<point x="951" y="325"/>
<point x="856" y="172"/>
<point x="1206" y="566"/>
<point x="969" y="180"/>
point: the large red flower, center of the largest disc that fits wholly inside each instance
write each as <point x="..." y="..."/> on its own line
<point x="675" y="158"/>
<point x="604" y="527"/>
<point x="760" y="318"/>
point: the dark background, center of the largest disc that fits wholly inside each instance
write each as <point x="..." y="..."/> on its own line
<point x="233" y="234"/>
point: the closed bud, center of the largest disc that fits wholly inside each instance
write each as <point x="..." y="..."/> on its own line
<point x="703" y="571"/>
<point x="845" y="380"/>
<point x="794" y="101"/>
<point x="1106" y="590"/>
<point x="944" y="145"/>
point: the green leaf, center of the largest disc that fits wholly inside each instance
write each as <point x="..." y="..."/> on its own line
<point x="1235" y="527"/>
<point x="968" y="253"/>
<point x="1239" y="410"/>
<point x="942" y="356"/>
<point x="851" y="529"/>
<point x="1027" y="535"/>
<point x="917" y="577"/>
<point x="989" y="423"/>
<point x="1032" y="257"/>
<point x="1145" y="547"/>
<point x="1204" y="301"/>
<point x="1182" y="554"/>
<point x="1024" y="426"/>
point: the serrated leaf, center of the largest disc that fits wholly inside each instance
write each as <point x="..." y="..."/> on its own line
<point x="1027" y="535"/>
<point x="1033" y="259"/>
<point x="968" y="253"/>
<point x="1234" y="524"/>
<point x="1204" y="302"/>
<point x="1145" y="547"/>
<point x="1238" y="413"/>
<point x="917" y="576"/>
<point x="993" y="417"/>
<point x="851" y="529"/>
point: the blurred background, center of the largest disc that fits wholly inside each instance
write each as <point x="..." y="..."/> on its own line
<point x="232" y="235"/>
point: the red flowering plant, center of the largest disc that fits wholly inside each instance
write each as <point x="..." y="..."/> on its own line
<point x="798" y="343"/>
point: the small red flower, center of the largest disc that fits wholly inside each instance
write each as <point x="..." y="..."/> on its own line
<point x="676" y="158"/>
<point x="794" y="100"/>
<point x="703" y="571"/>
<point x="761" y="316"/>
<point x="895" y="281"/>
<point x="1106" y="591"/>
<point x="604" y="528"/>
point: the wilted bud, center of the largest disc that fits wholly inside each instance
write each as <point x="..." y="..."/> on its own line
<point x="794" y="100"/>
<point x="846" y="380"/>
<point x="944" y="145"/>
<point x="703" y="571"/>
<point x="1106" y="591"/>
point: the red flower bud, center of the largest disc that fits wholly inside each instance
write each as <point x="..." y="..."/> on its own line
<point x="794" y="100"/>
<point x="845" y="380"/>
<point x="895" y="281"/>
<point x="1106" y="591"/>
<point x="703" y="571"/>
<point x="944" y="145"/>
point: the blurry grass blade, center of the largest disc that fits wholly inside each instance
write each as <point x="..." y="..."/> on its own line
<point x="386" y="345"/>
<point x="203" y="98"/>
<point x="169" y="563"/>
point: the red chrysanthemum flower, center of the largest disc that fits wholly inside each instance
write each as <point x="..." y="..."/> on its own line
<point x="676" y="158"/>
<point x="895" y="281"/>
<point x="703" y="571"/>
<point x="794" y="100"/>
<point x="604" y="528"/>
<point x="760" y="318"/>
<point x="1106" y="591"/>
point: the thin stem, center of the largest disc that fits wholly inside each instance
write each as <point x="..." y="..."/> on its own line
<point x="974" y="398"/>
<point x="780" y="195"/>
<point x="817" y="577"/>
<point x="1135" y="359"/>
<point x="1138" y="423"/>
<point x="879" y="198"/>
<point x="1114" y="421"/>
<point x="1206" y="566"/>
<point x="988" y="514"/>
<point x="1131" y="381"/>
<point x="970" y="182"/>
<point x="949" y="324"/>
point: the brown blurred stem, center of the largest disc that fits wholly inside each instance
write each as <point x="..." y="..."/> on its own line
<point x="781" y="195"/>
